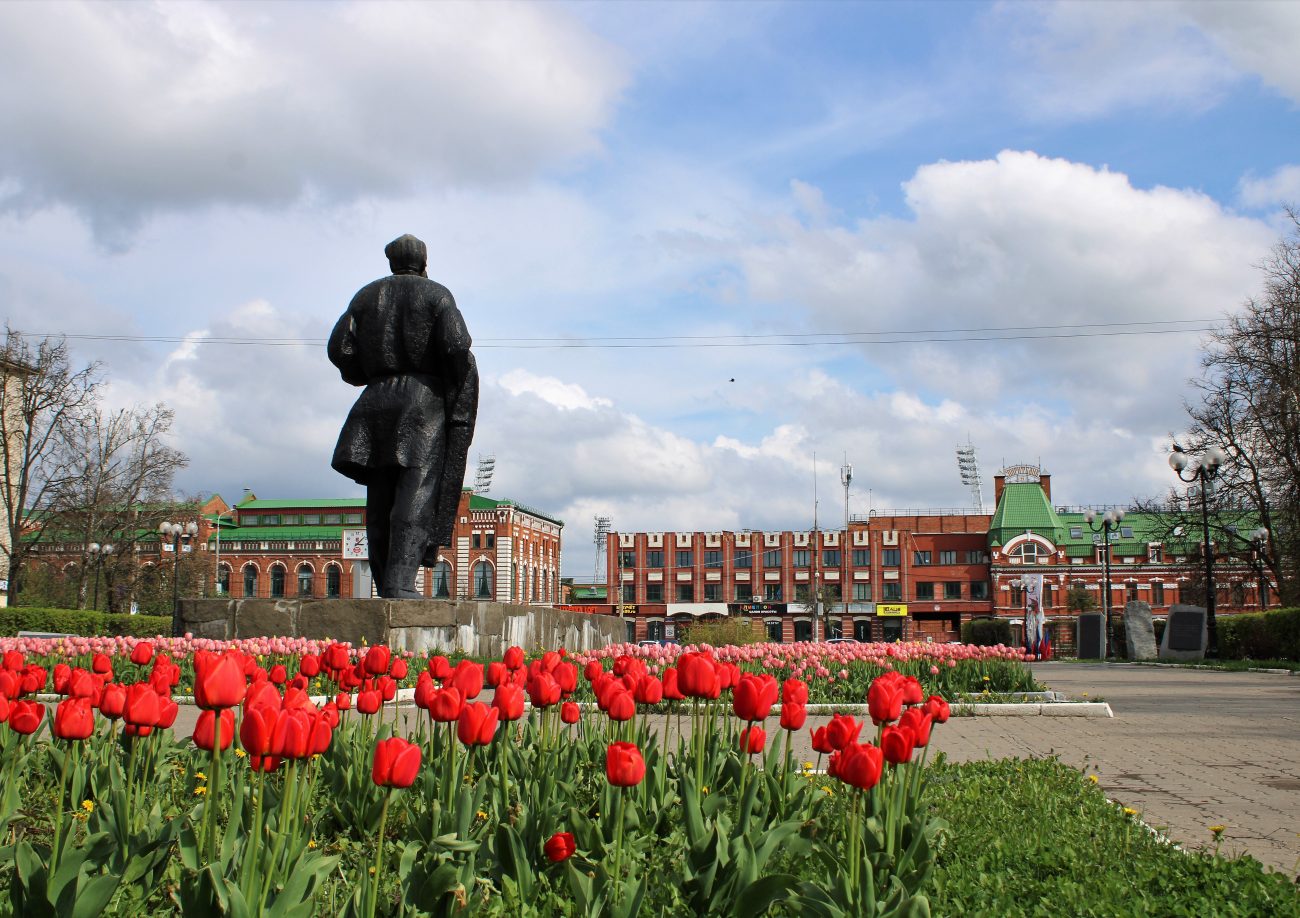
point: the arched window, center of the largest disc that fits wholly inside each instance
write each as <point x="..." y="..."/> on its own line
<point x="250" y="580"/>
<point x="223" y="580"/>
<point x="442" y="580"/>
<point x="305" y="574"/>
<point x="277" y="581"/>
<point x="1028" y="552"/>
<point x="333" y="576"/>
<point x="483" y="580"/>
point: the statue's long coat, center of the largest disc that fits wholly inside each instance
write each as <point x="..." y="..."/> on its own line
<point x="403" y="338"/>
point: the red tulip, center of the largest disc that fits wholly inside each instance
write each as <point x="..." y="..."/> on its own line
<point x="262" y="693"/>
<point x="446" y="705"/>
<point x="82" y="684"/>
<point x="10" y="684"/>
<point x="842" y="730"/>
<point x="754" y="696"/>
<point x="322" y="730"/>
<point x="467" y="678"/>
<point x="496" y="673"/>
<point x="205" y="729"/>
<point x="570" y="713"/>
<point x="509" y="700"/>
<point x="336" y="657"/>
<point x="697" y="676"/>
<point x="425" y="691"/>
<point x="752" y="739"/>
<point x="387" y="687"/>
<point x="62" y="676"/>
<point x="142" y="653"/>
<point x="14" y="660"/>
<point x="279" y="675"/>
<point x="912" y="692"/>
<point x="513" y="657"/>
<point x="309" y="665"/>
<point x="293" y="734"/>
<point x="74" y="719"/>
<point x="550" y="660"/>
<point x="937" y="708"/>
<point x="25" y="717"/>
<point x="897" y="743"/>
<point x="794" y="691"/>
<point x="884" y="702"/>
<point x="919" y="722"/>
<point x="649" y="690"/>
<point x="219" y="680"/>
<point x="369" y="702"/>
<point x="101" y="663"/>
<point x="113" y="701"/>
<point x="621" y="706"/>
<point x="399" y="669"/>
<point x="343" y="701"/>
<point x="560" y="847"/>
<point x="543" y="690"/>
<point x="821" y="740"/>
<point x="34" y="678"/>
<point x="377" y="659"/>
<point x="4" y="708"/>
<point x="330" y="714"/>
<point x="858" y="765"/>
<point x="672" y="691"/>
<point x="439" y="668"/>
<point x="397" y="762"/>
<point x="167" y="711"/>
<point x="624" y="766"/>
<point x="566" y="677"/>
<point x="142" y="708"/>
<point x="477" y="724"/>
<point x="793" y="715"/>
<point x="592" y="670"/>
<point x="266" y="763"/>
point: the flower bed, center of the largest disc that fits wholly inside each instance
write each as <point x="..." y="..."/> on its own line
<point x="280" y="806"/>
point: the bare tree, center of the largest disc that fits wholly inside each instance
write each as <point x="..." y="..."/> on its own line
<point x="43" y="403"/>
<point x="119" y="490"/>
<point x="1250" y="406"/>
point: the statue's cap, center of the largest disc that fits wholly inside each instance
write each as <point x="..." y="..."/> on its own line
<point x="407" y="252"/>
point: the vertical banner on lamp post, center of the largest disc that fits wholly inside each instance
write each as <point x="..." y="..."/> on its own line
<point x="1035" y="620"/>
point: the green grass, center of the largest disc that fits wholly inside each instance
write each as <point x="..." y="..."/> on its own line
<point x="1034" y="837"/>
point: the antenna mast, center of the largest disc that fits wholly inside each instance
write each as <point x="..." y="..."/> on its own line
<point x="969" y="467"/>
<point x="483" y="477"/>
<point x="601" y="538"/>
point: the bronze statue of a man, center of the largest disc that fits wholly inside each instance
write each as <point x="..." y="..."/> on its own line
<point x="407" y="437"/>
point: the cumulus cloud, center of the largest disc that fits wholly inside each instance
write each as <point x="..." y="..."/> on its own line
<point x="1259" y="36"/>
<point x="124" y="110"/>
<point x="1282" y="186"/>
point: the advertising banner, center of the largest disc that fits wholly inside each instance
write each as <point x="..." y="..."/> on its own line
<point x="891" y="608"/>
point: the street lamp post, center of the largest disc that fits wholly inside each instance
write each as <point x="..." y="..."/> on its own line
<point x="1203" y="470"/>
<point x="176" y="532"/>
<point x="98" y="553"/>
<point x="1258" y="552"/>
<point x="1110" y="521"/>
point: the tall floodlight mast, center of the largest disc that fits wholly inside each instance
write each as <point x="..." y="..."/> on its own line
<point x="969" y="466"/>
<point x="483" y="477"/>
<point x="601" y="538"/>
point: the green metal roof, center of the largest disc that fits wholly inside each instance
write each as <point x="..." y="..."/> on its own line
<point x="306" y="503"/>
<point x="479" y="502"/>
<point x="278" y="534"/>
<point x="1023" y="506"/>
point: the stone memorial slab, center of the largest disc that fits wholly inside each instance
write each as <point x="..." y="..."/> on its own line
<point x="1090" y="642"/>
<point x="1139" y="631"/>
<point x="1186" y="634"/>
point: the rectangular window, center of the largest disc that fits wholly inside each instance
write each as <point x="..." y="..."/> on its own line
<point x="1155" y="553"/>
<point x="476" y="541"/>
<point x="802" y="557"/>
<point x="491" y="540"/>
<point x="948" y="557"/>
<point x="685" y="592"/>
<point x="713" y="559"/>
<point x="977" y="556"/>
<point x="952" y="590"/>
<point x="249" y="519"/>
<point x="1126" y="532"/>
<point x="1157" y="594"/>
<point x="890" y="557"/>
<point x="713" y="592"/>
<point x="289" y="519"/>
<point x="743" y="592"/>
<point x="920" y="558"/>
<point x="311" y="519"/>
<point x="772" y="592"/>
<point x="352" y="519"/>
<point x="627" y="559"/>
<point x="1130" y="592"/>
<point x="802" y="592"/>
<point x="654" y="592"/>
<point x="333" y="519"/>
<point x="629" y="592"/>
<point x="893" y="591"/>
<point x="924" y="590"/>
<point x="743" y="558"/>
<point x="830" y="557"/>
<point x="654" y="558"/>
<point x="831" y="593"/>
<point x="684" y="559"/>
<point x="862" y="592"/>
<point x="1076" y="532"/>
<point x="862" y="557"/>
<point x="979" y="589"/>
<point x="772" y="557"/>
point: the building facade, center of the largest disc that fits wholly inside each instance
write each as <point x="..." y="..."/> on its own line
<point x="916" y="574"/>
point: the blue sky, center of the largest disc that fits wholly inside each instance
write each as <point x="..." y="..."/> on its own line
<point x="637" y="170"/>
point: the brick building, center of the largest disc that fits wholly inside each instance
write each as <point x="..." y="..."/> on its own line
<point x="914" y="574"/>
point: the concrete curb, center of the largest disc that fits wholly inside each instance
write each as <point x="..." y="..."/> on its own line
<point x="1207" y="669"/>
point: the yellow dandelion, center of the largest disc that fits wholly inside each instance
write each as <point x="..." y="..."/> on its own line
<point x="481" y="815"/>
<point x="704" y="790"/>
<point x="88" y="806"/>
<point x="828" y="792"/>
<point x="986" y="678"/>
<point x="200" y="791"/>
<point x="1129" y="811"/>
<point x="1093" y="778"/>
<point x="200" y="775"/>
<point x="241" y="753"/>
<point x="1217" y="830"/>
<point x="311" y="843"/>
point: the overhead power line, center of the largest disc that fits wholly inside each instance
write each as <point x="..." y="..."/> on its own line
<point x="778" y="339"/>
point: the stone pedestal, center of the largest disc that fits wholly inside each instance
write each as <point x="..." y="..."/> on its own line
<point x="420" y="625"/>
<point x="1139" y="631"/>
<point x="1186" y="634"/>
<point x="1091" y="640"/>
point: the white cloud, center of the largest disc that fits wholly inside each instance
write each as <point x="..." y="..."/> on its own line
<point x="1280" y="187"/>
<point x="1259" y="36"/>
<point x="124" y="110"/>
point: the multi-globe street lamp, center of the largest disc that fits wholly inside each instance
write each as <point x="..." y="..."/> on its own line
<point x="1203" y="469"/>
<point x="176" y="532"/>
<point x="1258" y="554"/>
<point x="98" y="555"/>
<point x="1110" y="521"/>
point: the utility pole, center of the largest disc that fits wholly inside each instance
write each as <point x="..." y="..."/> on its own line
<point x="816" y="560"/>
<point x="846" y="477"/>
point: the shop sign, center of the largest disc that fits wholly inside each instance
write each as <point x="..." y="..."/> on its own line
<point x="755" y="608"/>
<point x="897" y="608"/>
